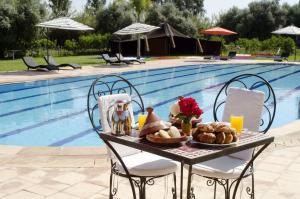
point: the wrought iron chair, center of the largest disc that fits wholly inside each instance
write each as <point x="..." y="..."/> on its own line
<point x="141" y="168"/>
<point x="255" y="97"/>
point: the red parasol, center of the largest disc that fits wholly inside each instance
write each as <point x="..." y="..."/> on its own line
<point x="218" y="31"/>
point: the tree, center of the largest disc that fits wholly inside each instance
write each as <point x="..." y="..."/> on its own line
<point x="94" y="5"/>
<point x="180" y="20"/>
<point x="293" y="14"/>
<point x="140" y="7"/>
<point x="17" y="23"/>
<point x="258" y="20"/>
<point x="60" y="8"/>
<point x="114" y="17"/>
<point x="195" y="7"/>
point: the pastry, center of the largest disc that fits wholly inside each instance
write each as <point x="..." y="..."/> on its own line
<point x="195" y="133"/>
<point x="228" y="138"/>
<point x="220" y="138"/>
<point x="234" y="136"/>
<point x="206" y="138"/>
<point x="224" y="129"/>
<point x="164" y="134"/>
<point x="156" y="134"/>
<point x="221" y="127"/>
<point x="205" y="128"/>
<point x="174" y="132"/>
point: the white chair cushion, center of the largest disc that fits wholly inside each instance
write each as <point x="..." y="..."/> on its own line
<point x="104" y="102"/>
<point x="224" y="167"/>
<point x="247" y="103"/>
<point x="147" y="164"/>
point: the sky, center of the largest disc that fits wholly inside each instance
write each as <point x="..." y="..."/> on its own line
<point x="212" y="7"/>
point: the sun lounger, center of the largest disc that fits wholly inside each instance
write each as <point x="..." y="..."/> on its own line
<point x="110" y="60"/>
<point x="282" y="57"/>
<point x="208" y="57"/>
<point x="51" y="61"/>
<point x="130" y="60"/>
<point x="231" y="55"/>
<point x="31" y="64"/>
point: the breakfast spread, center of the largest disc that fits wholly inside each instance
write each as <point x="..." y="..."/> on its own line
<point x="215" y="133"/>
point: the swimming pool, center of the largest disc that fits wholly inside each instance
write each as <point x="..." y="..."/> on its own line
<point x="53" y="112"/>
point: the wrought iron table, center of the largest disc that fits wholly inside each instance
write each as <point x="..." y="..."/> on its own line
<point x="190" y="154"/>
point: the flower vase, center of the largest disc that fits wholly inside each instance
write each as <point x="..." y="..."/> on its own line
<point x="186" y="128"/>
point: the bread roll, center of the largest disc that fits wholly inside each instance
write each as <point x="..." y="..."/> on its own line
<point x="206" y="138"/>
<point x="228" y="138"/>
<point x="174" y="132"/>
<point x="220" y="138"/>
<point x="164" y="134"/>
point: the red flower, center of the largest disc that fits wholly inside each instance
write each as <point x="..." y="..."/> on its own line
<point x="189" y="108"/>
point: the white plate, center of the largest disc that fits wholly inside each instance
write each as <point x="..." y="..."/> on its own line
<point x="227" y="123"/>
<point x="213" y="145"/>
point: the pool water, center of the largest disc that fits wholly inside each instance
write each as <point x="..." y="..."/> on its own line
<point x="53" y="112"/>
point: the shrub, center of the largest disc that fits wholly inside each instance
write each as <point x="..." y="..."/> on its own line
<point x="288" y="45"/>
<point x="250" y="45"/>
<point x="271" y="45"/>
<point x="71" y="45"/>
<point x="42" y="43"/>
<point x="94" y="41"/>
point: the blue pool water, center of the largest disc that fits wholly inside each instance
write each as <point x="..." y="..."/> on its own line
<point x="53" y="112"/>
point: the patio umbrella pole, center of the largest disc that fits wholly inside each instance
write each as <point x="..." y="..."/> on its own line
<point x="138" y="46"/>
<point x="296" y="48"/>
<point x="47" y="35"/>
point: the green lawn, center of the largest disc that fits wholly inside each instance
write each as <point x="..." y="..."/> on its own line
<point x="17" y="64"/>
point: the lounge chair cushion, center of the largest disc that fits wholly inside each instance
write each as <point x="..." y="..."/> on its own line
<point x="109" y="59"/>
<point x="147" y="164"/>
<point x="104" y="102"/>
<point x="51" y="61"/>
<point x="224" y="167"/>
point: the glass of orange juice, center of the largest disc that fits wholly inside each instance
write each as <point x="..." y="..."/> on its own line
<point x="237" y="122"/>
<point x="141" y="120"/>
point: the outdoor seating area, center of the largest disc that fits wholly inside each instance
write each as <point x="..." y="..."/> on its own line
<point x="119" y="59"/>
<point x="142" y="162"/>
<point x="139" y="99"/>
<point x="31" y="64"/>
<point x="51" y="61"/>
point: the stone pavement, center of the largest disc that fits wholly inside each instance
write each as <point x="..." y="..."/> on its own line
<point x="72" y="173"/>
<point x="62" y="173"/>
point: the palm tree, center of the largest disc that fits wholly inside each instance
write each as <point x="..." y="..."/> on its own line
<point x="140" y="7"/>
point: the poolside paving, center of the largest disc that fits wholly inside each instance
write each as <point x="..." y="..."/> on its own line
<point x="81" y="172"/>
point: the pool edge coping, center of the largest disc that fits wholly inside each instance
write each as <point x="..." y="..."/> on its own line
<point x="184" y="62"/>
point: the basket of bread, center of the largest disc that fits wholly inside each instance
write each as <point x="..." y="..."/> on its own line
<point x="215" y="134"/>
<point x="167" y="136"/>
<point x="157" y="131"/>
